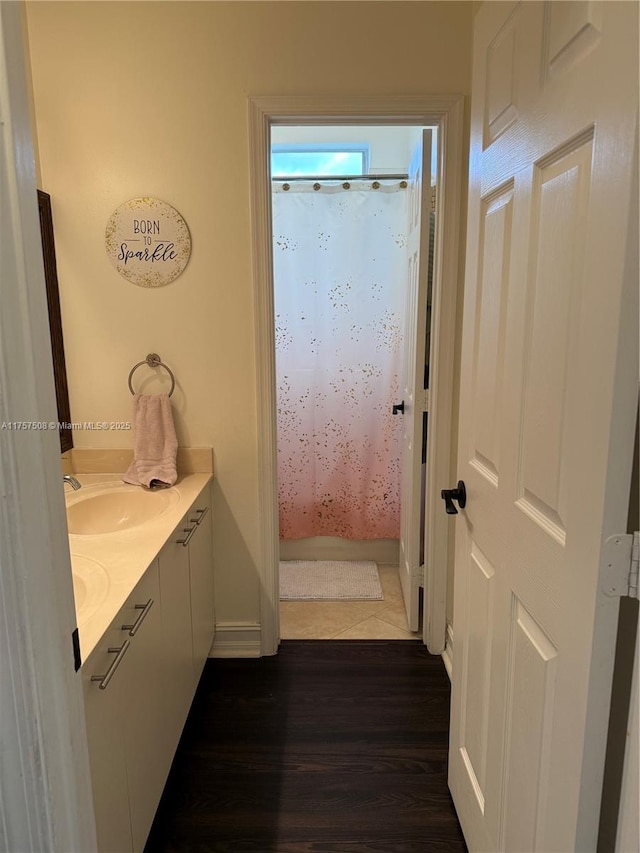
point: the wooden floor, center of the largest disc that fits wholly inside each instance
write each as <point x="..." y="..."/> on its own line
<point x="330" y="746"/>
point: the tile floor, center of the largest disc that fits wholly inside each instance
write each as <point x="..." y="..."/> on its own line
<point x="350" y="620"/>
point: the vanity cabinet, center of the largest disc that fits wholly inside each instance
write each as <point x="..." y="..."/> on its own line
<point x="186" y="582"/>
<point x="105" y="734"/>
<point x="148" y="756"/>
<point x="201" y="574"/>
<point x="122" y="682"/>
<point x="140" y="680"/>
<point x="175" y="584"/>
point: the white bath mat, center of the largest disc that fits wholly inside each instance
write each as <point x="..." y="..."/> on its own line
<point x="329" y="580"/>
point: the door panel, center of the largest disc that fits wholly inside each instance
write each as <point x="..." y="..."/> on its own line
<point x="530" y="687"/>
<point x="476" y="675"/>
<point x="547" y="407"/>
<point x="490" y="318"/>
<point x="413" y="372"/>
<point x="559" y="217"/>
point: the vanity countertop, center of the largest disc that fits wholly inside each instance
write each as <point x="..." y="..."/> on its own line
<point x="124" y="555"/>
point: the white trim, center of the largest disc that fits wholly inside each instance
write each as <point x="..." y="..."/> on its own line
<point x="45" y="787"/>
<point x="447" y="654"/>
<point x="237" y="640"/>
<point x="445" y="112"/>
<point x="440" y="443"/>
<point x="269" y="548"/>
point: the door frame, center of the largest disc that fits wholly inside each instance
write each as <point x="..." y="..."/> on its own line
<point x="44" y="773"/>
<point x="446" y="112"/>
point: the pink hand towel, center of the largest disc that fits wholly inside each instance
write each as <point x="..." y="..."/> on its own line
<point x="154" y="443"/>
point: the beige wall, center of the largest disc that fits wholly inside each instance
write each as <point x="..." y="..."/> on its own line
<point x="151" y="99"/>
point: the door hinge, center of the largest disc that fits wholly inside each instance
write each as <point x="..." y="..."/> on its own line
<point x="621" y="561"/>
<point x="425" y="401"/>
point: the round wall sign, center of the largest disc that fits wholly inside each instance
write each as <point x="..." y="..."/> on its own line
<point x="148" y="242"/>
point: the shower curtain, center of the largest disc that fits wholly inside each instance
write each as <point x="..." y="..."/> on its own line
<point x="340" y="271"/>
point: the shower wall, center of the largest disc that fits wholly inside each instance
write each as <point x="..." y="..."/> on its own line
<point x="337" y="548"/>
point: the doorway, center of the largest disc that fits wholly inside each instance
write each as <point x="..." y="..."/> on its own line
<point x="343" y="208"/>
<point x="445" y="113"/>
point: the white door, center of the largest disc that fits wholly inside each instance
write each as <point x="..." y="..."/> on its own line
<point x="547" y="414"/>
<point x="413" y="375"/>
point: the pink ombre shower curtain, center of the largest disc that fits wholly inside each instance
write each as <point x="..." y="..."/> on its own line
<point x="340" y="268"/>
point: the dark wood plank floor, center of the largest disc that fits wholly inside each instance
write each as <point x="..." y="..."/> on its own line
<point x="330" y="746"/>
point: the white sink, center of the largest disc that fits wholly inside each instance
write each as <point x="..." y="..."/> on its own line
<point x="115" y="510"/>
<point x="90" y="585"/>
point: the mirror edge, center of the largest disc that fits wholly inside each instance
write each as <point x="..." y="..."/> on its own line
<point x="55" y="320"/>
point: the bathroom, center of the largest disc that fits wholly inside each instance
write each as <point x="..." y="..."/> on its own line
<point x="94" y="150"/>
<point x="346" y="215"/>
<point x="109" y="150"/>
<point x="128" y="103"/>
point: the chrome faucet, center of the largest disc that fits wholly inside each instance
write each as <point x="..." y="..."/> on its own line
<point x="75" y="485"/>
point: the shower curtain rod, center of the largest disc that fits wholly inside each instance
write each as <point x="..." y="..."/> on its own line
<point x="341" y="178"/>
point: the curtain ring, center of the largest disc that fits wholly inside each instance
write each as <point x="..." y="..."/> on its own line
<point x="316" y="186"/>
<point x="286" y="187"/>
<point x="376" y="185"/>
<point x="346" y="185"/>
<point x="403" y="185"/>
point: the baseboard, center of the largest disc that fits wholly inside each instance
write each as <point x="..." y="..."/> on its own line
<point x="447" y="654"/>
<point x="237" y="640"/>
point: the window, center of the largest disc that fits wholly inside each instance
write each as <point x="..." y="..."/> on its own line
<point x="321" y="160"/>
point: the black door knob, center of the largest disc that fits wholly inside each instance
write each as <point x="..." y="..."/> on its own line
<point x="458" y="494"/>
<point x="399" y="407"/>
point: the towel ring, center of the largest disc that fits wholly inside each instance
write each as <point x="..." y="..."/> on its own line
<point x="153" y="360"/>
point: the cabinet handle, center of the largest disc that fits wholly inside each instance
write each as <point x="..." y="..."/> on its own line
<point x="201" y="514"/>
<point x="145" y="608"/>
<point x="119" y="652"/>
<point x="189" y="531"/>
